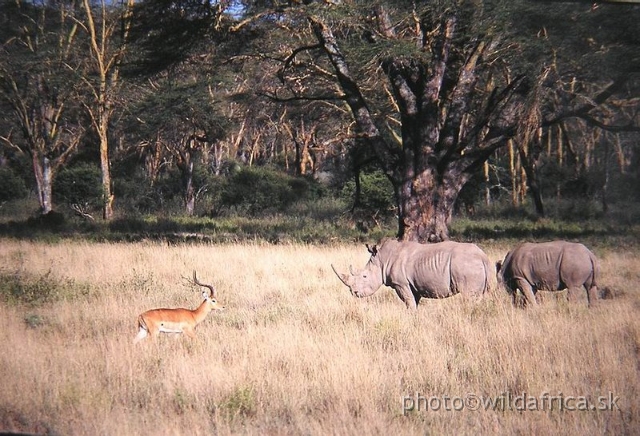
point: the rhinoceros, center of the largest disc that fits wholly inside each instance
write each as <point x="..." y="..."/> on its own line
<point x="415" y="270"/>
<point x="549" y="266"/>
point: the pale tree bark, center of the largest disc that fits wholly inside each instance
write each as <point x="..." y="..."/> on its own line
<point x="302" y="140"/>
<point x="529" y="159"/>
<point x="184" y="159"/>
<point x="103" y="25"/>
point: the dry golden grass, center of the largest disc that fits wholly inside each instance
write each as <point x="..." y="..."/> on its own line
<point x="294" y="353"/>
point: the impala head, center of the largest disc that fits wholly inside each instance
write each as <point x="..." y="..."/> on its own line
<point x="210" y="297"/>
<point x="366" y="281"/>
<point x="212" y="303"/>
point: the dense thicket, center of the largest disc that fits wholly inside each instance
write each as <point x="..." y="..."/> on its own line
<point x="413" y="109"/>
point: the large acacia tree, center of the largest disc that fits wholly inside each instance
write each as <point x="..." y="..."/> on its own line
<point x="445" y="101"/>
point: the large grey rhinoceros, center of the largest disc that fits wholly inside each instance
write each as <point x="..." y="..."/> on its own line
<point x="417" y="270"/>
<point x="549" y="266"/>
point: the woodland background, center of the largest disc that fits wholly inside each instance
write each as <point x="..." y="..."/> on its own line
<point x="148" y="113"/>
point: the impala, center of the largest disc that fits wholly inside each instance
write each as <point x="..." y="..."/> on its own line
<point x="178" y="320"/>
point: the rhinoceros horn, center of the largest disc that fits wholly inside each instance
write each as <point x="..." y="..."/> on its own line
<point x="343" y="277"/>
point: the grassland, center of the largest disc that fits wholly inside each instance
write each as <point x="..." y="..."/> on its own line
<point x="294" y="353"/>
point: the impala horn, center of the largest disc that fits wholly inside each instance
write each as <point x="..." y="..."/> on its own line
<point x="212" y="291"/>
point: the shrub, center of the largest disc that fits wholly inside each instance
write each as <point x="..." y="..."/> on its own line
<point x="79" y="185"/>
<point x="239" y="403"/>
<point x="260" y="190"/>
<point x="376" y="194"/>
<point x="12" y="187"/>
<point x="50" y="221"/>
<point x="16" y="288"/>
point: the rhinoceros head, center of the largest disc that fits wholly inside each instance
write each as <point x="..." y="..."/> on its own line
<point x="366" y="281"/>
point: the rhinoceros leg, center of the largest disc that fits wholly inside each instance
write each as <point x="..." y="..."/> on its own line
<point x="592" y="296"/>
<point x="573" y="294"/>
<point x="527" y="290"/>
<point x="407" y="297"/>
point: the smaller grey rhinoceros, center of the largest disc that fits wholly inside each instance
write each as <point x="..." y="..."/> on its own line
<point x="549" y="266"/>
<point x="417" y="270"/>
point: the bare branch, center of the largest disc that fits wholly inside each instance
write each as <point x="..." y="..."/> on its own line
<point x="81" y="211"/>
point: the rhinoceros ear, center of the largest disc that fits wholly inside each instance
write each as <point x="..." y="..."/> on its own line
<point x="373" y="250"/>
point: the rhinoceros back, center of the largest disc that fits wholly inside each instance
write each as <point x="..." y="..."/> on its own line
<point x="439" y="270"/>
<point x="551" y="266"/>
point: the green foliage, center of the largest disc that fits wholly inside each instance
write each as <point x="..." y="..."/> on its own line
<point x="376" y="194"/>
<point x="260" y="190"/>
<point x="34" y="321"/>
<point x="210" y="201"/>
<point x="80" y="184"/>
<point x="16" y="288"/>
<point x="135" y="195"/>
<point x="19" y="210"/>
<point x="11" y="185"/>
<point x="51" y="221"/>
<point x="239" y="403"/>
<point x="587" y="41"/>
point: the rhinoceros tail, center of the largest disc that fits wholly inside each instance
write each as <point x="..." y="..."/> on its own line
<point x="595" y="271"/>
<point x="489" y="276"/>
<point x="592" y="288"/>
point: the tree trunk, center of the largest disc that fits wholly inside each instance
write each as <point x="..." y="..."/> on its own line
<point x="426" y="205"/>
<point x="528" y="164"/>
<point x="106" y="60"/>
<point x="189" y="191"/>
<point x="487" y="181"/>
<point x="605" y="186"/>
<point x="105" y="167"/>
<point x="44" y="181"/>
<point x="513" y="172"/>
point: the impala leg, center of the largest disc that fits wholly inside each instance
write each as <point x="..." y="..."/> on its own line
<point x="154" y="333"/>
<point x="189" y="332"/>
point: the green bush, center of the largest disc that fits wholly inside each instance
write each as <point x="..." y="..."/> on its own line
<point x="80" y="184"/>
<point x="12" y="187"/>
<point x="259" y="190"/>
<point x="376" y="194"/>
<point x="16" y="288"/>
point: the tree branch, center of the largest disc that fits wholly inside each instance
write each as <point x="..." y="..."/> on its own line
<point x="366" y="127"/>
<point x="583" y="111"/>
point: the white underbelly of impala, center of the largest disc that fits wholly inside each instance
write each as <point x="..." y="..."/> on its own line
<point x="168" y="328"/>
